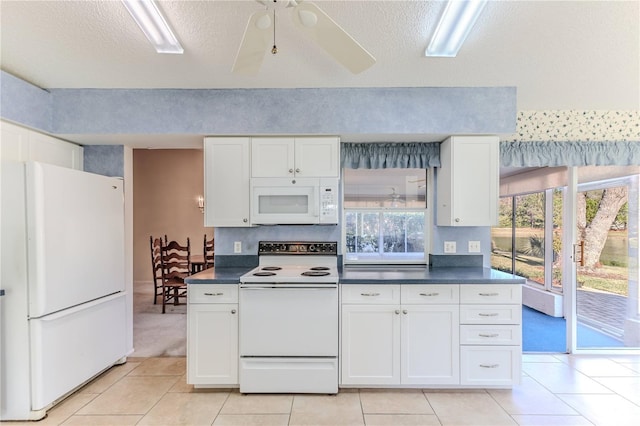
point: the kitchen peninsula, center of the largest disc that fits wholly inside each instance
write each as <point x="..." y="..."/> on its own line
<point x="400" y="327"/>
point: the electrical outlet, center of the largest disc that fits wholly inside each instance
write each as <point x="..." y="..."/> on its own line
<point x="237" y="247"/>
<point x="449" y="246"/>
<point x="474" y="246"/>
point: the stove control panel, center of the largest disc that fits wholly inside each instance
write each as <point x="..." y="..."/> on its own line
<point x="327" y="248"/>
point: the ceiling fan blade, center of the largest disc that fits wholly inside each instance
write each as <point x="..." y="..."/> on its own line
<point x="255" y="43"/>
<point x="314" y="22"/>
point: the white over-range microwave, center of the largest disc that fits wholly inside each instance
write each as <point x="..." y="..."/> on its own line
<point x="283" y="201"/>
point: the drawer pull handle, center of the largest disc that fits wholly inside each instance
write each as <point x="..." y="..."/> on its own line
<point x="370" y="294"/>
<point x="489" y="294"/>
<point x="397" y="311"/>
<point x="429" y="294"/>
<point x="489" y="365"/>
<point x="492" y="314"/>
<point x="214" y="294"/>
<point x="488" y="335"/>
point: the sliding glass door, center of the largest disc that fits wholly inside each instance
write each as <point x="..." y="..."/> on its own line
<point x="577" y="246"/>
<point x="606" y="287"/>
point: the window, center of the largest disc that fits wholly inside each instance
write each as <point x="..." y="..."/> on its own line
<point x="529" y="219"/>
<point x="528" y="237"/>
<point x="384" y="215"/>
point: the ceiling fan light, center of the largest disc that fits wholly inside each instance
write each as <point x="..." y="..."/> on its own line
<point x="153" y="25"/>
<point x="264" y="21"/>
<point x="308" y="18"/>
<point x="454" y="26"/>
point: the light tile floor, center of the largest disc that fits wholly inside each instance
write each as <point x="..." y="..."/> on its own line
<point x="555" y="390"/>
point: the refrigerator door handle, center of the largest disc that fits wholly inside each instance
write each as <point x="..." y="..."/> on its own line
<point x="82" y="307"/>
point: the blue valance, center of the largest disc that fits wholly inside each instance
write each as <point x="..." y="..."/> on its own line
<point x="553" y="154"/>
<point x="415" y="155"/>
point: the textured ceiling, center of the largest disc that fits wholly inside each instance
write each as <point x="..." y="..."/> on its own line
<point x="561" y="55"/>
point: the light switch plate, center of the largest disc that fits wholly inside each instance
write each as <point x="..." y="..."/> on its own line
<point x="474" y="246"/>
<point x="237" y="247"/>
<point x="449" y="246"/>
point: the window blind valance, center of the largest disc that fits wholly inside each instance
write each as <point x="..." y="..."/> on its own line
<point x="512" y="154"/>
<point x="414" y="155"/>
<point x="553" y="154"/>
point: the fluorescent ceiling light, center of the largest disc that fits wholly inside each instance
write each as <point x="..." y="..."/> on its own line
<point x="454" y="27"/>
<point x="153" y="25"/>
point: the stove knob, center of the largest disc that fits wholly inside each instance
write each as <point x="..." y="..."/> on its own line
<point x="283" y="247"/>
<point x="312" y="247"/>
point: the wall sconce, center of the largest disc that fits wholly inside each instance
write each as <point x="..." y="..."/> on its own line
<point x="201" y="203"/>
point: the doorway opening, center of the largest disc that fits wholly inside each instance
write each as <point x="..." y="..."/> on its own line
<point x="599" y="298"/>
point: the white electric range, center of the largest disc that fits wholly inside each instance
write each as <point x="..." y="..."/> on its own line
<point x="289" y="319"/>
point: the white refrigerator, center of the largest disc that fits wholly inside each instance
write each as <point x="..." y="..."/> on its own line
<point x="63" y="316"/>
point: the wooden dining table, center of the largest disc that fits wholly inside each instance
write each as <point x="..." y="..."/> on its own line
<point x="197" y="263"/>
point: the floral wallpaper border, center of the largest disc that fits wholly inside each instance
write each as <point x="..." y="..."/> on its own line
<point x="576" y="125"/>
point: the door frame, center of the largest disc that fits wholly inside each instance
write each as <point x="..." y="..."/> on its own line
<point x="569" y="270"/>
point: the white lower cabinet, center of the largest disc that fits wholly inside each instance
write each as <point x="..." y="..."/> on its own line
<point x="429" y="344"/>
<point x="490" y="365"/>
<point x="431" y="335"/>
<point x="387" y="342"/>
<point x="212" y="335"/>
<point x="491" y="335"/>
<point x="370" y="344"/>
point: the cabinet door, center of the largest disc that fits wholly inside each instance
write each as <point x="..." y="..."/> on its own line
<point x="467" y="181"/>
<point x="50" y="150"/>
<point x="368" y="294"/>
<point x="430" y="294"/>
<point x="490" y="365"/>
<point x="370" y="345"/>
<point x="20" y="144"/>
<point x="491" y="293"/>
<point x="226" y="182"/>
<point x="14" y="143"/>
<point x="272" y="157"/>
<point x="430" y="341"/>
<point x="212" y="344"/>
<point x="317" y="157"/>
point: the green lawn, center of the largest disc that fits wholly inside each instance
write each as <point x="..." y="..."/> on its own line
<point x="612" y="279"/>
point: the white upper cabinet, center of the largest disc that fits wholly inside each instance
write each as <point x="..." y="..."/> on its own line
<point x="226" y="181"/>
<point x="467" y="181"/>
<point x="20" y="144"/>
<point x="295" y="157"/>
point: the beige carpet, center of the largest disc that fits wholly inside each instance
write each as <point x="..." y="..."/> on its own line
<point x="155" y="334"/>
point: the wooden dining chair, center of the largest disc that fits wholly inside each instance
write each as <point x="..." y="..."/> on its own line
<point x="176" y="266"/>
<point x="208" y="250"/>
<point x="156" y="267"/>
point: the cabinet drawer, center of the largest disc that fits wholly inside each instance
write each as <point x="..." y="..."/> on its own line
<point x="430" y="294"/>
<point x="491" y="293"/>
<point x="213" y="293"/>
<point x="374" y="294"/>
<point x="490" y="314"/>
<point x="490" y="365"/>
<point x="490" y="334"/>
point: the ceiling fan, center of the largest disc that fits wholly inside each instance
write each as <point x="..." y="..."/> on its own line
<point x="309" y="19"/>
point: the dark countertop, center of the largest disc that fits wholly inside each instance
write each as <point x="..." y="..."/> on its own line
<point x="379" y="275"/>
<point x="417" y="275"/>
<point x="218" y="275"/>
